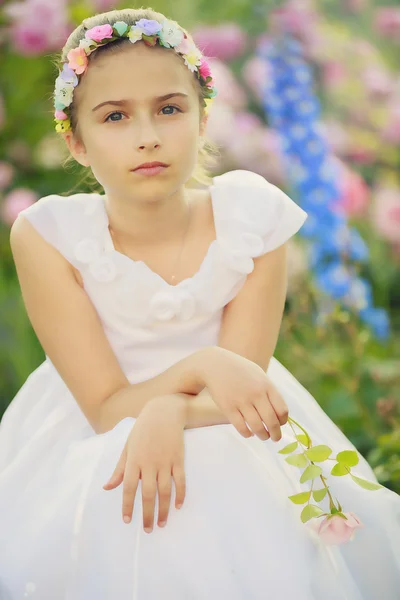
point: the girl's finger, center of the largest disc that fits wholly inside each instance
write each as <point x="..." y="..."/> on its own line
<point x="149" y="490"/>
<point x="278" y="404"/>
<point x="131" y="482"/>
<point x="268" y="416"/>
<point x="252" y="417"/>
<point x="164" y="482"/>
<point x="118" y="474"/>
<point x="179" y="476"/>
<point x="237" y="420"/>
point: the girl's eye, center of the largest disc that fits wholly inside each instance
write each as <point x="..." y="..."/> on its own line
<point x="120" y="113"/>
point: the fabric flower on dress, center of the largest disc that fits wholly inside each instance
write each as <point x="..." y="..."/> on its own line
<point x="102" y="268"/>
<point x="173" y="303"/>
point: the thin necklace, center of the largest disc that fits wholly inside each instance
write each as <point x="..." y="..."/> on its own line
<point x="173" y="276"/>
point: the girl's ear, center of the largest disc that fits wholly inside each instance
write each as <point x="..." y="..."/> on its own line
<point x="76" y="148"/>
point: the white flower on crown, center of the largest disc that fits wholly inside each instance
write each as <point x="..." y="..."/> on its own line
<point x="135" y="34"/>
<point x="87" y="45"/>
<point x="170" y="35"/>
<point x="63" y="91"/>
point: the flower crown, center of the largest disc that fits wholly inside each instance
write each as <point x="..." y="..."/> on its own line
<point x="166" y="33"/>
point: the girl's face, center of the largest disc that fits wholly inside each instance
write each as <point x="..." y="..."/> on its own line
<point x="114" y="139"/>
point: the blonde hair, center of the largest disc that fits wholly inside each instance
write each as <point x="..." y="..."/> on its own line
<point x="208" y="153"/>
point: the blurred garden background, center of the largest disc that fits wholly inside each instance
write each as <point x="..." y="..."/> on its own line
<point x="308" y="97"/>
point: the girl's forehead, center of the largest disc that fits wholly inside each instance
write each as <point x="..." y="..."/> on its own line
<point x="138" y="73"/>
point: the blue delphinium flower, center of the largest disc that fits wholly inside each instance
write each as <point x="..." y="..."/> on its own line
<point x="293" y="110"/>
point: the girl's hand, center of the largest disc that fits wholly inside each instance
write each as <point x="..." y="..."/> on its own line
<point x="244" y="393"/>
<point x="154" y="452"/>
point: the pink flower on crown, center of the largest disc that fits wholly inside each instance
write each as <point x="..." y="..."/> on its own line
<point x="204" y="68"/>
<point x="60" y="115"/>
<point x="99" y="33"/>
<point x="184" y="47"/>
<point x="78" y="60"/>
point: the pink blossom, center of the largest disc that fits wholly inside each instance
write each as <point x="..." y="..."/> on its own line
<point x="333" y="73"/>
<point x="78" y="60"/>
<point x="385" y="214"/>
<point x="255" y="73"/>
<point x="378" y="81"/>
<point x="391" y="131"/>
<point x="229" y="89"/>
<point x="7" y="172"/>
<point x="38" y="26"/>
<point x="355" y="193"/>
<point x="204" y="68"/>
<point x="387" y="22"/>
<point x="60" y="115"/>
<point x="17" y="200"/>
<point x="225" y="42"/>
<point x="355" y="6"/>
<point x="99" y="33"/>
<point x="336" y="530"/>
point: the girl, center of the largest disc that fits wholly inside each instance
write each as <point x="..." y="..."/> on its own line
<point x="140" y="459"/>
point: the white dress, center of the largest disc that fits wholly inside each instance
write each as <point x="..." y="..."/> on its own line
<point x="237" y="536"/>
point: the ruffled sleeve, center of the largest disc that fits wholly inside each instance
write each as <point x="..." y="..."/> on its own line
<point x="252" y="215"/>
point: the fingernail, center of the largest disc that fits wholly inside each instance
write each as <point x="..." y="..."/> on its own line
<point x="148" y="529"/>
<point x="162" y="523"/>
<point x="178" y="505"/>
<point x="127" y="519"/>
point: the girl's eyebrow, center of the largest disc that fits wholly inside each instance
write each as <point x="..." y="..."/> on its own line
<point x="124" y="102"/>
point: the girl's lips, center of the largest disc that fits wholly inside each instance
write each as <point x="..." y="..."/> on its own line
<point x="150" y="170"/>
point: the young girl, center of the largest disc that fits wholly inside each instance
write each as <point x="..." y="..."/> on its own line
<point x="158" y="306"/>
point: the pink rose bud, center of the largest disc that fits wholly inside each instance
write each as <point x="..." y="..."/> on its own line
<point x="60" y="115"/>
<point x="336" y="530"/>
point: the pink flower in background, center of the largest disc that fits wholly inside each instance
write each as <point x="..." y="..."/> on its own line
<point x="333" y="73"/>
<point x="355" y="193"/>
<point x="387" y="22"/>
<point x="17" y="200"/>
<point x="225" y="42"/>
<point x="7" y="172"/>
<point x="255" y="73"/>
<point x="336" y="530"/>
<point x="378" y="81"/>
<point x="355" y="6"/>
<point x="385" y="214"/>
<point x="391" y="131"/>
<point x="38" y="26"/>
<point x="229" y="90"/>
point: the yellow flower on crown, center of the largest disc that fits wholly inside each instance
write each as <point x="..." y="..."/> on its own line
<point x="63" y="126"/>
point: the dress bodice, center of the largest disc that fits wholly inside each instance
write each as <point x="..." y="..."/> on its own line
<point x="150" y="323"/>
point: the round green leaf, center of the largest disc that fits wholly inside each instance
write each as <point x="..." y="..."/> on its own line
<point x="319" y="495"/>
<point x="339" y="469"/>
<point x="300" y="498"/>
<point x="318" y="453"/>
<point x="348" y="457"/>
<point x="311" y="472"/>
<point x="297" y="460"/>
<point x="303" y="439"/>
<point x="310" y="511"/>
<point x="289" y="448"/>
<point x="364" y="483"/>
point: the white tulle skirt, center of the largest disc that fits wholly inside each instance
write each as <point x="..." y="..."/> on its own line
<point x="237" y="536"/>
